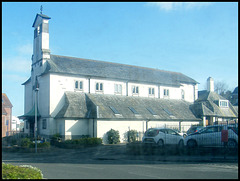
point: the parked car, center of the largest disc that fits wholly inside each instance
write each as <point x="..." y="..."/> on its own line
<point x="194" y="129"/>
<point x="181" y="133"/>
<point x="210" y="136"/>
<point x="162" y="136"/>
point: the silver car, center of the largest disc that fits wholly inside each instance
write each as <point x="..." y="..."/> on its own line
<point x="211" y="136"/>
<point x="163" y="136"/>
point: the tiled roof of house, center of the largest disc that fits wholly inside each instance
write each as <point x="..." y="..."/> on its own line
<point x="5" y="101"/>
<point x="101" y="69"/>
<point x="207" y="105"/>
<point x="81" y="105"/>
<point x="4" y="112"/>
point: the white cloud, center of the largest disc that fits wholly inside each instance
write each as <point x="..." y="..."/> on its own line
<point x="19" y="60"/>
<point x="17" y="64"/>
<point x="169" y="6"/>
<point x="13" y="78"/>
<point x="25" y="49"/>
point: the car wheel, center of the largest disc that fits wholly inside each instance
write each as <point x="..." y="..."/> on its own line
<point x="192" y="144"/>
<point x="160" y="143"/>
<point x="232" y="144"/>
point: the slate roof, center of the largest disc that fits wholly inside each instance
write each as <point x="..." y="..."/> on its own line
<point x="82" y="105"/>
<point x="102" y="69"/>
<point x="5" y="101"/>
<point x="207" y="105"/>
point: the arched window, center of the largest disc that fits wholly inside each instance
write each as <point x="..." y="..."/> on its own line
<point x="183" y="94"/>
<point x="76" y="84"/>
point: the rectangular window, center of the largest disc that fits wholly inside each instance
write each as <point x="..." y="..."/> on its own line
<point x="168" y="112"/>
<point x="135" y="90"/>
<point x="223" y="103"/>
<point x="44" y="124"/>
<point x="114" y="110"/>
<point x="99" y="86"/>
<point x="151" y="91"/>
<point x="166" y="92"/>
<point x="151" y="111"/>
<point x="133" y="110"/>
<point x="118" y="88"/>
<point x="6" y="122"/>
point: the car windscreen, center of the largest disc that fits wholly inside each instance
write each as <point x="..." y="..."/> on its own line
<point x="152" y="132"/>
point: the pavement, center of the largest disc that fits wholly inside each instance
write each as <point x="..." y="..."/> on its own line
<point x="114" y="154"/>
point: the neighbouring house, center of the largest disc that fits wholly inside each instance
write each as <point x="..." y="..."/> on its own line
<point x="6" y="116"/>
<point x="213" y="108"/>
<point x="74" y="96"/>
<point x="234" y="97"/>
<point x="16" y="125"/>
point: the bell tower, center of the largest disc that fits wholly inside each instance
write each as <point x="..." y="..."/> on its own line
<point x="41" y="51"/>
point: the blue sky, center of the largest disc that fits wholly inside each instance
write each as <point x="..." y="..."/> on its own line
<point x="196" y="39"/>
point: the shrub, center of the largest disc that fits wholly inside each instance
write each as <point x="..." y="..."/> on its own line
<point x="113" y="136"/>
<point x="25" y="142"/>
<point x="56" y="137"/>
<point x="20" y="172"/>
<point x="132" y="136"/>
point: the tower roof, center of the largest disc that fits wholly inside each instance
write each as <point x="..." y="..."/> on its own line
<point x="42" y="16"/>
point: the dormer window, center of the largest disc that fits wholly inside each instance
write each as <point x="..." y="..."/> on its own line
<point x="223" y="103"/>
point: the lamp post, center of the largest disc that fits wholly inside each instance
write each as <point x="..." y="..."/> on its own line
<point x="35" y="135"/>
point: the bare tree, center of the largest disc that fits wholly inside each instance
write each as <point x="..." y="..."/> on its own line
<point x="220" y="87"/>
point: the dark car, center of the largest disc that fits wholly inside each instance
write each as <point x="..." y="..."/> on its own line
<point x="194" y="129"/>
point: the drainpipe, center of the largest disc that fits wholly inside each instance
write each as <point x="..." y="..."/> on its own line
<point x="89" y="85"/>
<point x="126" y="88"/>
<point x="147" y="125"/>
<point x="159" y="91"/>
<point x="93" y="127"/>
<point x="96" y="119"/>
<point x="97" y="112"/>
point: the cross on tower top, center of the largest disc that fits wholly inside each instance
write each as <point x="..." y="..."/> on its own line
<point x="41" y="8"/>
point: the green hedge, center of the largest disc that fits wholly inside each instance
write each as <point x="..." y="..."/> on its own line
<point x="76" y="143"/>
<point x="20" y="172"/>
<point x="27" y="143"/>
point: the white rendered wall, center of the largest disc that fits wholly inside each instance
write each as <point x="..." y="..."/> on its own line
<point x="143" y="90"/>
<point x="44" y="95"/>
<point x="75" y="128"/>
<point x="28" y="95"/>
<point x="122" y="126"/>
<point x="60" y="84"/>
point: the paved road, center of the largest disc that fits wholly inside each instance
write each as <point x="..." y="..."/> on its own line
<point x="137" y="171"/>
<point x="108" y="162"/>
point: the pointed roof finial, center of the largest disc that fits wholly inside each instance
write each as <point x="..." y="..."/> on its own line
<point x="41" y="8"/>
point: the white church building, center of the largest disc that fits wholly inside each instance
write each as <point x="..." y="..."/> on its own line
<point x="78" y="96"/>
